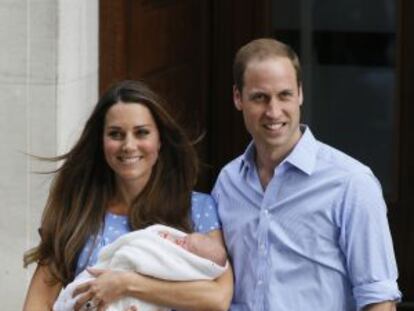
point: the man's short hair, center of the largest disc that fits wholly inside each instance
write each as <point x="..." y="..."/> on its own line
<point x="261" y="49"/>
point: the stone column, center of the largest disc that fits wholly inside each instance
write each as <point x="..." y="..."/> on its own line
<point x="48" y="84"/>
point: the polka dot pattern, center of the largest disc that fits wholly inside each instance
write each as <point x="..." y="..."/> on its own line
<point x="205" y="217"/>
<point x="115" y="226"/>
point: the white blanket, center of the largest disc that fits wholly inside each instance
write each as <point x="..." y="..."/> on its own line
<point x="146" y="252"/>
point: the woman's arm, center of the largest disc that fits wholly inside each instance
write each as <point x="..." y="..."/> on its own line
<point x="194" y="295"/>
<point x="40" y="295"/>
<point x="197" y="295"/>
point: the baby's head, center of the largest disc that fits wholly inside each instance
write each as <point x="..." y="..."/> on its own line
<point x="206" y="247"/>
<point x="199" y="244"/>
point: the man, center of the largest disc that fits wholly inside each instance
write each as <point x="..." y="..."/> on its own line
<point x="305" y="224"/>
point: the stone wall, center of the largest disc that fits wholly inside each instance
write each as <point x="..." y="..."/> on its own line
<point x="48" y="85"/>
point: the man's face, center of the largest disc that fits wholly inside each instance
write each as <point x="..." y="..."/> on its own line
<point x="270" y="102"/>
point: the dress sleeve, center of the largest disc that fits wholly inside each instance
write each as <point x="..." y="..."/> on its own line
<point x="365" y="240"/>
<point x="204" y="213"/>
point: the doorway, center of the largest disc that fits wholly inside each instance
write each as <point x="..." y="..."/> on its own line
<point x="185" y="48"/>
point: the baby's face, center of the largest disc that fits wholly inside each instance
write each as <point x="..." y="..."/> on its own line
<point x="180" y="241"/>
<point x="195" y="242"/>
<point x="199" y="244"/>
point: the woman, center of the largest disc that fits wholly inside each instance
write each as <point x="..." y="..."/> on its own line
<point x="132" y="167"/>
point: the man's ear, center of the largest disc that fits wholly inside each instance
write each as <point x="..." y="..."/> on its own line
<point x="300" y="95"/>
<point x="237" y="98"/>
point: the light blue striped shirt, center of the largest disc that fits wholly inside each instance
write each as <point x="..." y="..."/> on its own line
<point x="317" y="238"/>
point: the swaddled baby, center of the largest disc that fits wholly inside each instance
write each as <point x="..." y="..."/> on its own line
<point x="158" y="251"/>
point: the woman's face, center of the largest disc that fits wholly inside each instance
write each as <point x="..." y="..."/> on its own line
<point x="131" y="143"/>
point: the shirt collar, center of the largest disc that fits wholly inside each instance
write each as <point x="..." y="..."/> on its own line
<point x="303" y="155"/>
<point x="247" y="159"/>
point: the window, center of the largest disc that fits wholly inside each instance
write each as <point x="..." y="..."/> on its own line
<point x="347" y="52"/>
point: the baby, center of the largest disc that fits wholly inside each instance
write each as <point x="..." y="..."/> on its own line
<point x="199" y="244"/>
<point x="158" y="251"/>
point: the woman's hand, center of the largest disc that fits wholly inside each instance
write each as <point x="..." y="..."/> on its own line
<point x="107" y="287"/>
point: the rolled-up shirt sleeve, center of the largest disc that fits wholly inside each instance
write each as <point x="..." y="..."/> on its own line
<point x="366" y="242"/>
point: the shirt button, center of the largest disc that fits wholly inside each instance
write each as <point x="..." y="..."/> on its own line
<point x="260" y="282"/>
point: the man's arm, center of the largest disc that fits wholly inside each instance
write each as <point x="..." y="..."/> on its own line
<point x="383" y="306"/>
<point x="366" y="242"/>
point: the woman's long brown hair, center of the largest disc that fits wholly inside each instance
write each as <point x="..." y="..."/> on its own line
<point x="84" y="184"/>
